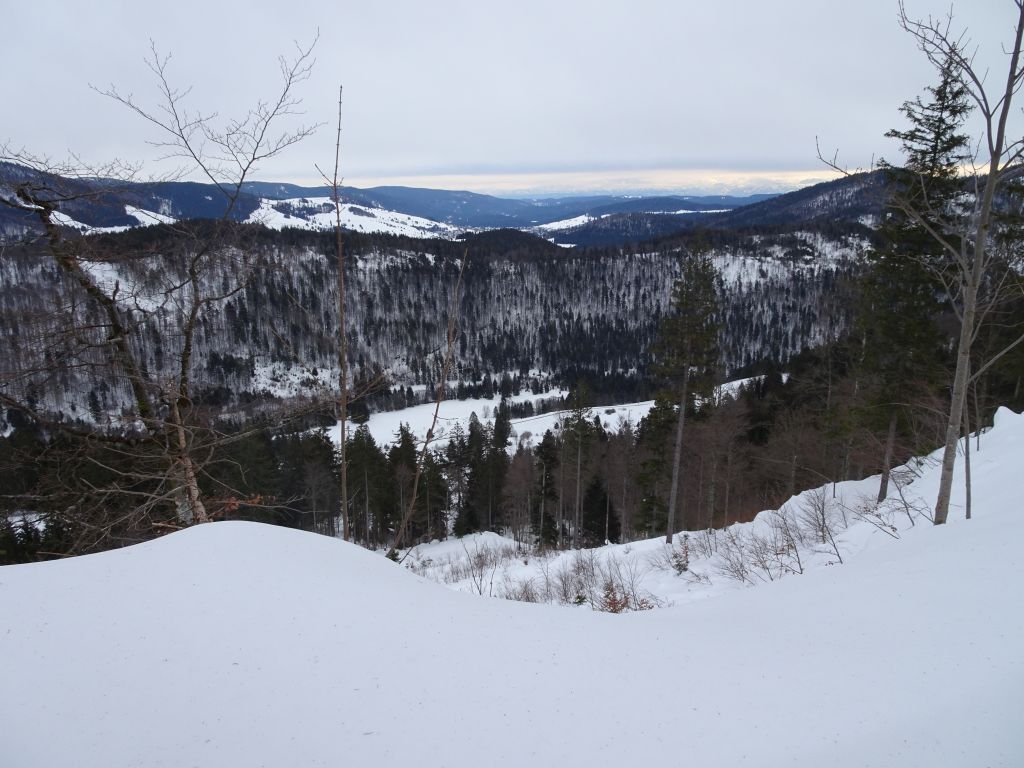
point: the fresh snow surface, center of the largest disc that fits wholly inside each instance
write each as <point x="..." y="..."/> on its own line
<point x="317" y="213"/>
<point x="233" y="645"/>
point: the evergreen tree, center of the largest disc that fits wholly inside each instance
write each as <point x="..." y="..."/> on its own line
<point x="371" y="490"/>
<point x="687" y="351"/>
<point x="578" y="431"/>
<point x="547" y="489"/>
<point x="600" y="522"/>
<point x="468" y="519"/>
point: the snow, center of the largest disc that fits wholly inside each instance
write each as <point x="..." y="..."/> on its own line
<point x="317" y="213"/>
<point x="147" y="218"/>
<point x="526" y="431"/>
<point x="63" y="220"/>
<point x="288" y="381"/>
<point x="233" y="645"/>
<point x="575" y="221"/>
<point x="529" y="430"/>
<point x="144" y="217"/>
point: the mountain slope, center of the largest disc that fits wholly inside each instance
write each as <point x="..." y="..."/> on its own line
<point x="844" y="203"/>
<point x="236" y="645"/>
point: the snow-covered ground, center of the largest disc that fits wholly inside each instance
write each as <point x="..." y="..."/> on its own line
<point x="233" y="645"/>
<point x="818" y="528"/>
<point x="318" y="213"/>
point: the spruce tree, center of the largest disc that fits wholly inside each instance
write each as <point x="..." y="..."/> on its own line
<point x="687" y="351"/>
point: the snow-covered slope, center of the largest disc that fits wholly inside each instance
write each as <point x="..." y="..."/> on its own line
<point x="317" y="213"/>
<point x="143" y="217"/>
<point x="236" y="645"/>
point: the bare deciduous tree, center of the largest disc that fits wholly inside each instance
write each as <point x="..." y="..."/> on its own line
<point x="122" y="293"/>
<point x="965" y="235"/>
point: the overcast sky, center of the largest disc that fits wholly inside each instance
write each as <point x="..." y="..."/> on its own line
<point x="511" y="97"/>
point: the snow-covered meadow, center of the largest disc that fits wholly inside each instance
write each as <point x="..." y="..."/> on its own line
<point x="317" y="213"/>
<point x="526" y="431"/>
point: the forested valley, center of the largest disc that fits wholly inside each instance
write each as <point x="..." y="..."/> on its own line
<point x="196" y="369"/>
<point x="793" y="317"/>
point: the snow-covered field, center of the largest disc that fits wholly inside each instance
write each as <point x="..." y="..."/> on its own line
<point x="318" y="213"/>
<point x="529" y="430"/>
<point x="236" y="645"/>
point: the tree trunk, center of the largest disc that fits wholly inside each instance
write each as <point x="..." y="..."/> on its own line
<point x="677" y="455"/>
<point x="579" y="470"/>
<point x="890" y="444"/>
<point x="339" y="244"/>
<point x="190" y="481"/>
<point x="967" y="463"/>
<point x="956" y="406"/>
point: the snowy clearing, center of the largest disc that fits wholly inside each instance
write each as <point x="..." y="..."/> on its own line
<point x="526" y="431"/>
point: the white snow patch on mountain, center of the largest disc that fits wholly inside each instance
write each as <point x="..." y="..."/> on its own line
<point x="317" y="213"/>
<point x="575" y="221"/>
<point x="148" y="218"/>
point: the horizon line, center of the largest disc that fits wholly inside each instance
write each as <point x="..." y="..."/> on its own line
<point x="691" y="181"/>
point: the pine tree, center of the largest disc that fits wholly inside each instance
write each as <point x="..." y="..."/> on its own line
<point x="600" y="521"/>
<point x="687" y="351"/>
<point x="902" y="295"/>
<point x="546" y="490"/>
<point x="577" y="431"/>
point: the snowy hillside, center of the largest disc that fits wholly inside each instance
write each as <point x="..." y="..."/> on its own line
<point x="815" y="529"/>
<point x="234" y="645"/>
<point x="143" y="218"/>
<point x="318" y="214"/>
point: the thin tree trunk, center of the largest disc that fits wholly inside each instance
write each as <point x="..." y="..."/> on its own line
<point x="890" y="444"/>
<point x="339" y="244"/>
<point x="561" y="487"/>
<point x="677" y="454"/>
<point x="956" y="407"/>
<point x="579" y="469"/>
<point x="728" y="486"/>
<point x="967" y="463"/>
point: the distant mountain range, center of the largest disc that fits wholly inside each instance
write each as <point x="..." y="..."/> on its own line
<point x="96" y="205"/>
